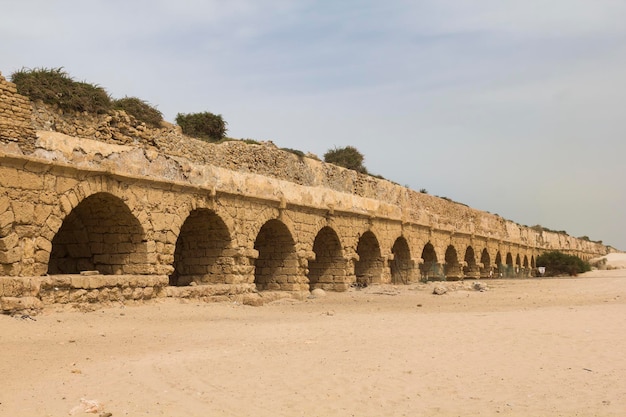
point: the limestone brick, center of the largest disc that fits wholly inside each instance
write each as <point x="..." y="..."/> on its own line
<point x="24" y="211"/>
<point x="9" y="242"/>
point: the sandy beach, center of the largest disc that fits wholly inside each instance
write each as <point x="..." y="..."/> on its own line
<point x="534" y="347"/>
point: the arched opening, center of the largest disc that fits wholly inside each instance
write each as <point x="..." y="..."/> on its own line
<point x="452" y="267"/>
<point x="532" y="262"/>
<point x="199" y="250"/>
<point x="499" y="265"/>
<point x="368" y="269"/>
<point x="277" y="264"/>
<point x="328" y="269"/>
<point x="470" y="269"/>
<point x="100" y="234"/>
<point x="401" y="265"/>
<point x="526" y="266"/>
<point x="430" y="269"/>
<point x="509" y="270"/>
<point x="518" y="266"/>
<point x="486" y="271"/>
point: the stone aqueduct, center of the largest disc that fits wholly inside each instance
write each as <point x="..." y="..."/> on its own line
<point x="102" y="220"/>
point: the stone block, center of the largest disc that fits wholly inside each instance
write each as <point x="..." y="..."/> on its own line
<point x="79" y="281"/>
<point x="9" y="177"/>
<point x="10" y="305"/>
<point x="77" y="296"/>
<point x="5" y="202"/>
<point x="11" y="256"/>
<point x="29" y="181"/>
<point x="137" y="294"/>
<point x="6" y="219"/>
<point x="43" y="244"/>
<point x="96" y="281"/>
<point x="61" y="296"/>
<point x="9" y="242"/>
<point x="93" y="296"/>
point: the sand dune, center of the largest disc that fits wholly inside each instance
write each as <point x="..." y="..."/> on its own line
<point x="615" y="260"/>
<point x="536" y="347"/>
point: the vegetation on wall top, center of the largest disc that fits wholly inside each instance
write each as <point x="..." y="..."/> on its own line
<point x="140" y="110"/>
<point x="55" y="87"/>
<point x="347" y="157"/>
<point x="206" y="126"/>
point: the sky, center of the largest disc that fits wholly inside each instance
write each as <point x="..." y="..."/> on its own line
<point x="516" y="107"/>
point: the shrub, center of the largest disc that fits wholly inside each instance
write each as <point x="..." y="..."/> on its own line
<point x="140" y="110"/>
<point x="251" y="141"/>
<point x="296" y="152"/>
<point x="558" y="263"/>
<point x="55" y="87"/>
<point x="348" y="157"/>
<point x="206" y="126"/>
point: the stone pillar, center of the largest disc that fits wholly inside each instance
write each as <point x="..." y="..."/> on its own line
<point x="472" y="271"/>
<point x="385" y="274"/>
<point x="454" y="271"/>
<point x="243" y="271"/>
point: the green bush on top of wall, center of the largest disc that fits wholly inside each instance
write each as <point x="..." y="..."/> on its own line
<point x="54" y="86"/>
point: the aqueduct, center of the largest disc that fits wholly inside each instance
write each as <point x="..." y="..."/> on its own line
<point x="97" y="220"/>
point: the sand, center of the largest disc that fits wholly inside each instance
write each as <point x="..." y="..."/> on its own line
<point x="534" y="347"/>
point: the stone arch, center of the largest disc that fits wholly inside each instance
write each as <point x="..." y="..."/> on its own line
<point x="532" y="262"/>
<point x="328" y="269"/>
<point x="277" y="266"/>
<point x="261" y="216"/>
<point x="401" y="265"/>
<point x="470" y="269"/>
<point x="526" y="266"/>
<point x="518" y="266"/>
<point x="486" y="271"/>
<point x="509" y="270"/>
<point x="369" y="268"/>
<point x="100" y="234"/>
<point x="452" y="268"/>
<point x="430" y="268"/>
<point x="499" y="265"/>
<point x="199" y="255"/>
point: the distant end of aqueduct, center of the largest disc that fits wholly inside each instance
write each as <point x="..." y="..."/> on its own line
<point x="103" y="209"/>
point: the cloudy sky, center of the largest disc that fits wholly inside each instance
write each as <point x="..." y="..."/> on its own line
<point x="516" y="107"/>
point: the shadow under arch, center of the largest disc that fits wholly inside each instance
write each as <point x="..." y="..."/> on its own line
<point x="430" y="269"/>
<point x="452" y="269"/>
<point x="199" y="254"/>
<point x="276" y="267"/>
<point x="328" y="269"/>
<point x="369" y="268"/>
<point x="100" y="234"/>
<point x="508" y="270"/>
<point x="401" y="265"/>
<point x="487" y="270"/>
<point x="470" y="268"/>
<point x="499" y="265"/>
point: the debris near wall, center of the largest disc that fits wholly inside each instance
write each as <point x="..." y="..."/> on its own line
<point x="28" y="295"/>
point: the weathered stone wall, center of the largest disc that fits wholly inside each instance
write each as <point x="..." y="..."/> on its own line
<point x="224" y="221"/>
<point x="15" y="117"/>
